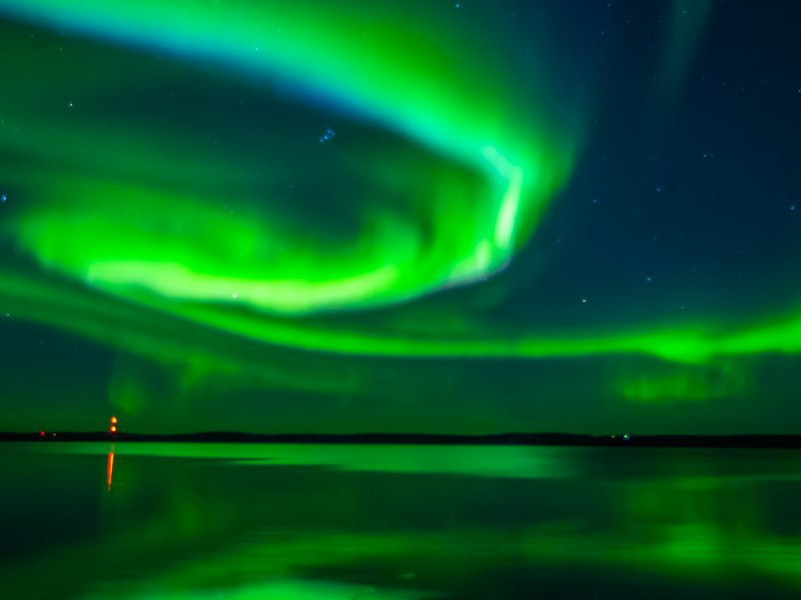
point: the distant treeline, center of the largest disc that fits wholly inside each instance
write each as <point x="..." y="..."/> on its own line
<point x="503" y="439"/>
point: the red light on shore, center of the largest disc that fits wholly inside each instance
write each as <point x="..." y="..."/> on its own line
<point x="113" y="420"/>
<point x="41" y="434"/>
<point x="113" y="429"/>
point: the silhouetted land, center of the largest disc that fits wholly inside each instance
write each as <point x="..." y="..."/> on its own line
<point x="504" y="439"/>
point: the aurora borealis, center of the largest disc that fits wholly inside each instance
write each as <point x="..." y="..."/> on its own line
<point x="525" y="217"/>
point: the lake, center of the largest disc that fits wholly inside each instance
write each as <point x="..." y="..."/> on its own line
<point x="180" y="521"/>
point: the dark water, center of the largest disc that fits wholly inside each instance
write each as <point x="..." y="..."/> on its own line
<point x="325" y="522"/>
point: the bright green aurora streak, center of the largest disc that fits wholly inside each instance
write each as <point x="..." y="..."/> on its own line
<point x="165" y="232"/>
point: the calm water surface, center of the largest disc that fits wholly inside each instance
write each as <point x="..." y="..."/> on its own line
<point x="245" y="521"/>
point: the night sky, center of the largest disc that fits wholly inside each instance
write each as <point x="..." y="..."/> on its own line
<point x="423" y="216"/>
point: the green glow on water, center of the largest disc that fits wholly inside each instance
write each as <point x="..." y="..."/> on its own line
<point x="280" y="590"/>
<point x="476" y="461"/>
<point x="265" y="521"/>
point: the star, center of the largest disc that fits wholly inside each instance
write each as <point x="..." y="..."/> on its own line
<point x="3" y="198"/>
<point x="584" y="301"/>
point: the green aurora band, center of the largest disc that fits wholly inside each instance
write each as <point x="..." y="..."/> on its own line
<point x="447" y="107"/>
<point x="468" y="177"/>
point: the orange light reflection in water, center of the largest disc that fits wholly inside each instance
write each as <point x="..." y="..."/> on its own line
<point x="110" y="468"/>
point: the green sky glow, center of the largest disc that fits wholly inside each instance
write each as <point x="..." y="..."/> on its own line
<point x="148" y="216"/>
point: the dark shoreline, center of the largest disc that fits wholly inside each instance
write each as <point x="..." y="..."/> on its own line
<point x="505" y="439"/>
